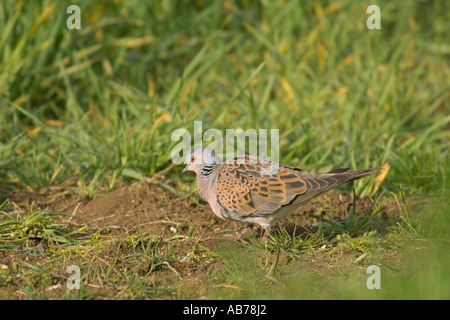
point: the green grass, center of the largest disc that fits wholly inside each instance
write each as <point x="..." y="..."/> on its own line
<point x="20" y="226"/>
<point x="353" y="225"/>
<point x="99" y="105"/>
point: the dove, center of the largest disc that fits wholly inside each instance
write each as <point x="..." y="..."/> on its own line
<point x="258" y="191"/>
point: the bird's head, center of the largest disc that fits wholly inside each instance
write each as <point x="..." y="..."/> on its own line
<point x="200" y="158"/>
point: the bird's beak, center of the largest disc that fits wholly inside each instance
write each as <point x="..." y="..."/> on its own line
<point x="184" y="170"/>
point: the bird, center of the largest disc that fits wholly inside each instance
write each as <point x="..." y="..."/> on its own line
<point x="255" y="190"/>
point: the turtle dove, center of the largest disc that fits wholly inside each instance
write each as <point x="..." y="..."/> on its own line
<point x="257" y="191"/>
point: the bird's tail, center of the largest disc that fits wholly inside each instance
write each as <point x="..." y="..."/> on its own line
<point x="351" y="175"/>
<point x="319" y="183"/>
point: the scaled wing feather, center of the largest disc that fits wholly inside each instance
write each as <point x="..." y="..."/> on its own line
<point x="251" y="186"/>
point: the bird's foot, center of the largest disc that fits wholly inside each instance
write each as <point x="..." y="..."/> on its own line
<point x="266" y="234"/>
<point x="240" y="235"/>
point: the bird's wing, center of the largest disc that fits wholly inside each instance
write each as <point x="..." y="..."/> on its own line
<point x="254" y="186"/>
<point x="257" y="187"/>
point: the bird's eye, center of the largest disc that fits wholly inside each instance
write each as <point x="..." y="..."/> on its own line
<point x="192" y="158"/>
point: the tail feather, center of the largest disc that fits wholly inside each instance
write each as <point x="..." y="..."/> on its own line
<point x="319" y="183"/>
<point x="363" y="173"/>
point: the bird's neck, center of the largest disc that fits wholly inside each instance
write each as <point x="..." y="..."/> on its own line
<point x="206" y="181"/>
<point x="208" y="170"/>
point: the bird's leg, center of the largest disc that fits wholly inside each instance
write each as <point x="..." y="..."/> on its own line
<point x="240" y="235"/>
<point x="266" y="233"/>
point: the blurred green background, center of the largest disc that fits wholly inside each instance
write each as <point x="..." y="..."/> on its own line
<point x="101" y="102"/>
